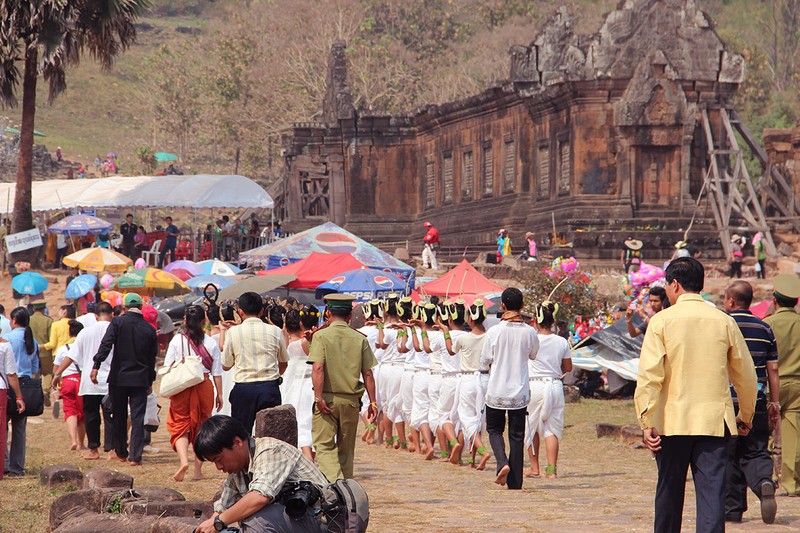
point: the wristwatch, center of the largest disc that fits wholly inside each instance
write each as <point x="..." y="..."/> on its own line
<point x="219" y="525"/>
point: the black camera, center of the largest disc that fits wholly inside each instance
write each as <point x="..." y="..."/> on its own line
<point x="298" y="497"/>
<point x="227" y="311"/>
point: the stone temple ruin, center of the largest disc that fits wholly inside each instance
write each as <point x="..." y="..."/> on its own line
<point x="626" y="131"/>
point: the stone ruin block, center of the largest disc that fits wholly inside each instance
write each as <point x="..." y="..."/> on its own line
<point x="572" y="394"/>
<point x="60" y="476"/>
<point x="278" y="422"/>
<point x="174" y="524"/>
<point x="66" y="506"/>
<point x="154" y="494"/>
<point x="102" y="478"/>
<point x="105" y="523"/>
<point x="185" y="509"/>
<point x="629" y="435"/>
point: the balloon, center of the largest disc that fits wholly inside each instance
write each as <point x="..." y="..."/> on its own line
<point x="113" y="298"/>
<point x="106" y="281"/>
<point x="140" y="263"/>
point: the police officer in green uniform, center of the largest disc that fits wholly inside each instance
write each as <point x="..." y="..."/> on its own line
<point x="340" y="356"/>
<point x="785" y="324"/>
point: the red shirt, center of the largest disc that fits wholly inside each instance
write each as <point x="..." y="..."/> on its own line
<point x="432" y="237"/>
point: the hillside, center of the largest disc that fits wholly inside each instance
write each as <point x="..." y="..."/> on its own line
<point x="210" y="79"/>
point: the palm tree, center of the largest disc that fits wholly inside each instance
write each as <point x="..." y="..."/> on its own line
<point x="46" y="37"/>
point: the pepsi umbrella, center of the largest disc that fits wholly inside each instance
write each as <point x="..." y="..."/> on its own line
<point x="81" y="285"/>
<point x="220" y="282"/>
<point x="29" y="283"/>
<point x="81" y="224"/>
<point x="363" y="283"/>
<point x="215" y="266"/>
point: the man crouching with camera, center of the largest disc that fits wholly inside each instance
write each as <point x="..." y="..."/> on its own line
<point x="271" y="485"/>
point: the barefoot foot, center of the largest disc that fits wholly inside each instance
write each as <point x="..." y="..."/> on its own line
<point x="73" y="447"/>
<point x="484" y="459"/>
<point x="430" y="454"/>
<point x="181" y="473"/>
<point x="455" y="453"/>
<point x="502" y="475"/>
<point x="90" y="455"/>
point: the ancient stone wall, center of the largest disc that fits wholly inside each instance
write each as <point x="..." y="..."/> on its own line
<point x="595" y="132"/>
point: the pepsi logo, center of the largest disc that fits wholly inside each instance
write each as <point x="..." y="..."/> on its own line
<point x="284" y="261"/>
<point x="336" y="243"/>
<point x="338" y="280"/>
<point x="383" y="281"/>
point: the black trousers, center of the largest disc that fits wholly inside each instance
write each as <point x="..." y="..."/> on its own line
<point x="92" y="406"/>
<point x="749" y="463"/>
<point x="167" y="249"/>
<point x="121" y="397"/>
<point x="247" y="399"/>
<point x="496" y="426"/>
<point x="708" y="459"/>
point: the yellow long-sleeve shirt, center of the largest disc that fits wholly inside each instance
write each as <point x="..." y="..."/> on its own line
<point x="59" y="335"/>
<point x="691" y="351"/>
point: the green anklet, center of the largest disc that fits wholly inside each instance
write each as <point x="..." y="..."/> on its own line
<point x="481" y="450"/>
<point x="370" y="427"/>
<point x="453" y="442"/>
<point x="404" y="445"/>
<point x="471" y="461"/>
<point x="395" y="439"/>
<point x="444" y="454"/>
<point x="551" y="470"/>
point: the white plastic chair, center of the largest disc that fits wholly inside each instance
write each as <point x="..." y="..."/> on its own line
<point x="153" y="253"/>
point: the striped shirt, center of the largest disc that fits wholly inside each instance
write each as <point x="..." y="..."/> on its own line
<point x="272" y="464"/>
<point x="253" y="349"/>
<point x="761" y="343"/>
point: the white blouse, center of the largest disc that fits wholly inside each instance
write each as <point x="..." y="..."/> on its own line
<point x="507" y="347"/>
<point x="179" y="348"/>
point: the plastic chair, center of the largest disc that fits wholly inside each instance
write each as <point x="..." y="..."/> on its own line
<point x="153" y="253"/>
<point x="183" y="250"/>
<point x="206" y="250"/>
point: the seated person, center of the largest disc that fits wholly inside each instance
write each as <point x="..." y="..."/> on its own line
<point x="257" y="471"/>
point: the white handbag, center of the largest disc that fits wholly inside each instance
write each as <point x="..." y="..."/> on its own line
<point x="181" y="375"/>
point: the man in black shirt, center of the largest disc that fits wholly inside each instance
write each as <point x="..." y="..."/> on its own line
<point x="133" y="371"/>
<point x="128" y="231"/>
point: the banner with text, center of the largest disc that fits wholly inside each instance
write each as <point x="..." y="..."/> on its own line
<point x="23" y="240"/>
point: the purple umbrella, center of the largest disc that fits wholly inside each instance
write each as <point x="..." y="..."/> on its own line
<point x="189" y="266"/>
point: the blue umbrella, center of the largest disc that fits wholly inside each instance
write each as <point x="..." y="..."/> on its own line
<point x="29" y="283"/>
<point x="81" y="285"/>
<point x="363" y="283"/>
<point x="199" y="282"/>
<point x="81" y="224"/>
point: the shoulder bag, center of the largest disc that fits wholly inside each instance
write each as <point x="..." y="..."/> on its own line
<point x="181" y="375"/>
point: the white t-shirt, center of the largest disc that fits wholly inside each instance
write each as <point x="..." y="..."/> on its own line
<point x="8" y="363"/>
<point x="179" y="347"/>
<point x="452" y="363"/>
<point x="89" y="319"/>
<point x="507" y="347"/>
<point x="422" y="358"/>
<point x="65" y="351"/>
<point x="438" y="350"/>
<point x="82" y="352"/>
<point x="470" y="345"/>
<point x="371" y="333"/>
<point x="552" y="350"/>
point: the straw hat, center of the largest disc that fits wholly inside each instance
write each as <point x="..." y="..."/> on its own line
<point x="735" y="238"/>
<point x="681" y="244"/>
<point x="634" y="244"/>
<point x="529" y="234"/>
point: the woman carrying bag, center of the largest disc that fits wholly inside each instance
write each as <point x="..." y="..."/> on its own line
<point x="26" y="355"/>
<point x="191" y="407"/>
<point x="8" y="381"/>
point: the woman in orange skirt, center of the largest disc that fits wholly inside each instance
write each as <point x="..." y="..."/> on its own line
<point x="190" y="408"/>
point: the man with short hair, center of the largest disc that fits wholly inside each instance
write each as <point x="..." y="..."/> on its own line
<point x="40" y="326"/>
<point x="258" y="472"/>
<point x="131" y="376"/>
<point x="227" y="237"/>
<point x="128" y="231"/>
<point x="749" y="459"/>
<point x="431" y="246"/>
<point x="658" y="299"/>
<point x="507" y="348"/>
<point x="170" y="242"/>
<point x="82" y="353"/>
<point x="683" y="399"/>
<point x="257" y="353"/>
<point x="341" y="358"/>
<point x="785" y="323"/>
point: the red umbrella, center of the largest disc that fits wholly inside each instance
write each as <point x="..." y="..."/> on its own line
<point x="181" y="273"/>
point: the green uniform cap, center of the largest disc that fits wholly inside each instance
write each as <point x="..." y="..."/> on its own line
<point x="339" y="301"/>
<point x="132" y="299"/>
<point x="39" y="304"/>
<point x="787" y="285"/>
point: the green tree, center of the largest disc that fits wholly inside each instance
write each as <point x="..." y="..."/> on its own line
<point x="46" y="37"/>
<point x="147" y="157"/>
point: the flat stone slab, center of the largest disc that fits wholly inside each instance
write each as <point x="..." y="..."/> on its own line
<point x="153" y="494"/>
<point x="278" y="422"/>
<point x="105" y="478"/>
<point x="107" y="523"/>
<point x="630" y="435"/>
<point x="60" y="476"/>
<point x="174" y="524"/>
<point x="187" y="509"/>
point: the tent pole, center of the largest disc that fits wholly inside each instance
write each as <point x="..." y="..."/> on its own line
<point x="271" y="224"/>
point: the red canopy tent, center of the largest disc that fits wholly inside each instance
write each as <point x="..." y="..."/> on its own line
<point x="316" y="269"/>
<point x="463" y="280"/>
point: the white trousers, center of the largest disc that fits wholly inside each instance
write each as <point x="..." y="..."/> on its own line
<point x="407" y="393"/>
<point x="434" y="388"/>
<point x="421" y="405"/>
<point x="545" y="410"/>
<point x="391" y="376"/>
<point x="448" y="401"/>
<point x="429" y="258"/>
<point x="471" y="407"/>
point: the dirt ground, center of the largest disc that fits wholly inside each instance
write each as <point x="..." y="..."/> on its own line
<point x="604" y="486"/>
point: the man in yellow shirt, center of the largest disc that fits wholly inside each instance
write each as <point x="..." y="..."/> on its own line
<point x="785" y="323"/>
<point x="683" y="400"/>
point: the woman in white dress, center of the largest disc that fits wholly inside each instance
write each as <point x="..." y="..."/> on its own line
<point x="546" y="408"/>
<point x="372" y="330"/>
<point x="405" y="352"/>
<point x="296" y="388"/>
<point x="451" y="379"/>
<point x="433" y="345"/>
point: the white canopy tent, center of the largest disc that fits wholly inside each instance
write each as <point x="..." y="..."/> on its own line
<point x="199" y="191"/>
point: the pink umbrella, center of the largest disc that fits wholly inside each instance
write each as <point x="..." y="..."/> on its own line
<point x="185" y="264"/>
<point x="181" y="273"/>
